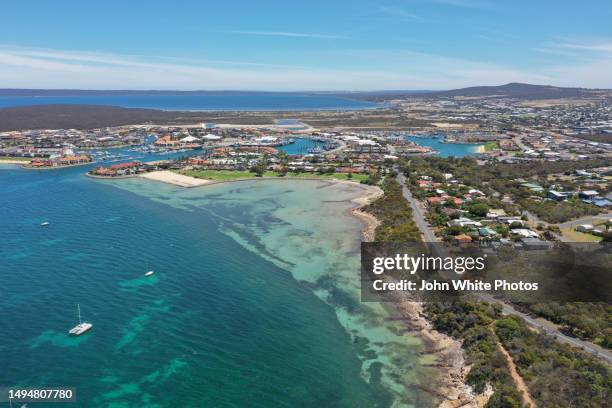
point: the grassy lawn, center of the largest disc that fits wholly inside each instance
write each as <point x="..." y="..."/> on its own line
<point x="491" y="146"/>
<point x="579" y="236"/>
<point x="236" y="174"/>
<point x="217" y="174"/>
<point x="337" y="176"/>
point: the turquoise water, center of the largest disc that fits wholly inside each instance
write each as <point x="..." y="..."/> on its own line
<point x="254" y="301"/>
<point x="446" y="149"/>
<point x="255" y="101"/>
<point x="300" y="146"/>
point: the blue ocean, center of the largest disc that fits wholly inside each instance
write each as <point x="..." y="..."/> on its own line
<point x="250" y="101"/>
<point x="247" y="307"/>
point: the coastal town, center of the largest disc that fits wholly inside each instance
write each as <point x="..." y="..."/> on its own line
<point x="316" y="204"/>
<point x="565" y="140"/>
<point x="498" y="173"/>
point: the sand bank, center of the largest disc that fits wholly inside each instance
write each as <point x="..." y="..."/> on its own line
<point x="170" y="177"/>
<point x="369" y="221"/>
<point x="9" y="161"/>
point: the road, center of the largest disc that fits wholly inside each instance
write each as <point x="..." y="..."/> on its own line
<point x="591" y="219"/>
<point x="417" y="211"/>
<point x="541" y="324"/>
<point x="519" y="142"/>
<point x="551" y="329"/>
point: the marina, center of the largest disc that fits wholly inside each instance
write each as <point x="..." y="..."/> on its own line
<point x="446" y="148"/>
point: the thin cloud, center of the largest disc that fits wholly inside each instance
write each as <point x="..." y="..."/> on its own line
<point x="286" y="34"/>
<point x="597" y="47"/>
<point x="462" y="3"/>
<point x="578" y="50"/>
<point x="558" y="52"/>
<point x="47" y="68"/>
<point x="398" y="13"/>
<point x="123" y="59"/>
<point x="467" y="4"/>
<point x="584" y="45"/>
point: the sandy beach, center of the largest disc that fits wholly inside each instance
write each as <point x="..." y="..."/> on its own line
<point x="9" y="161"/>
<point x="369" y="221"/>
<point x="170" y="177"/>
<point x="368" y="233"/>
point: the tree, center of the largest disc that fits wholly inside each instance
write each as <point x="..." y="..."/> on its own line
<point x="284" y="164"/>
<point x="478" y="209"/>
<point x="260" y="168"/>
<point x="455" y="230"/>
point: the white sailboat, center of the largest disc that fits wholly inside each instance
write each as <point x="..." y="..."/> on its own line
<point x="149" y="273"/>
<point x="82" y="327"/>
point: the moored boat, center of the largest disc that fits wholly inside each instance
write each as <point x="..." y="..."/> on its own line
<point x="80" y="328"/>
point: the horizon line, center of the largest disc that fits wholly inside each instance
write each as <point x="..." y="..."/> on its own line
<point x="288" y="91"/>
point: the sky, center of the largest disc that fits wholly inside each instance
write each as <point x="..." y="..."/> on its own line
<point x="317" y="45"/>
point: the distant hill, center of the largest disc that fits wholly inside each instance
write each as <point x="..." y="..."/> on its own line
<point x="520" y="91"/>
<point x="73" y="116"/>
<point x="513" y="90"/>
<point x="118" y="92"/>
<point x="97" y="116"/>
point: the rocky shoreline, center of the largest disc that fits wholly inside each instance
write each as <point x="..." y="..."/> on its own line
<point x="444" y="353"/>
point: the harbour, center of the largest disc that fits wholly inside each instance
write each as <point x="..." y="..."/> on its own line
<point x="445" y="148"/>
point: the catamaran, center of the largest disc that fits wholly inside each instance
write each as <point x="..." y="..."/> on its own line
<point x="82" y="327"/>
